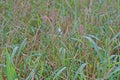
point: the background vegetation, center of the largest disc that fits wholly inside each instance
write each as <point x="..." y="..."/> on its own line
<point x="59" y="39"/>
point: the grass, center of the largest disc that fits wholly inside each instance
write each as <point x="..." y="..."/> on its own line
<point x="59" y="40"/>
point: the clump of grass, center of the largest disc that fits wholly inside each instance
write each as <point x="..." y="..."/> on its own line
<point x="59" y="40"/>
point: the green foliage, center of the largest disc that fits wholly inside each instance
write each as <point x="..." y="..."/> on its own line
<point x="59" y="39"/>
<point x="10" y="68"/>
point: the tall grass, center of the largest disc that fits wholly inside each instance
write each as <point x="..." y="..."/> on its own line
<point x="59" y="40"/>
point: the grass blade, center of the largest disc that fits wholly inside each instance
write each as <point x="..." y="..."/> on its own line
<point x="22" y="46"/>
<point x="14" y="52"/>
<point x="80" y="71"/>
<point x="115" y="37"/>
<point x="95" y="46"/>
<point x="58" y="72"/>
<point x="116" y="70"/>
<point x="11" y="74"/>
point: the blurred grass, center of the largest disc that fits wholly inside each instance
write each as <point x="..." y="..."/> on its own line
<point x="60" y="39"/>
<point x="10" y="69"/>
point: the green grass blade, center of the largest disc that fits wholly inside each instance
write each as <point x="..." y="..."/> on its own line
<point x="14" y="52"/>
<point x="33" y="71"/>
<point x="95" y="46"/>
<point x="22" y="46"/>
<point x="115" y="37"/>
<point x="80" y="71"/>
<point x="92" y="36"/>
<point x="11" y="74"/>
<point x="58" y="72"/>
<point x="116" y="70"/>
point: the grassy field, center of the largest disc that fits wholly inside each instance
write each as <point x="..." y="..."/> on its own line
<point x="59" y="39"/>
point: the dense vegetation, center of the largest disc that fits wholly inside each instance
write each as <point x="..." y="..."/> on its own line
<point x="59" y="39"/>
